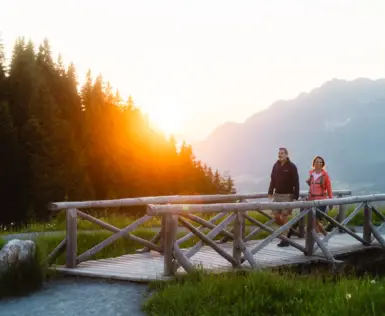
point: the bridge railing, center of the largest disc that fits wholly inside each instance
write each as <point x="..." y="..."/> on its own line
<point x="175" y="257"/>
<point x="73" y="212"/>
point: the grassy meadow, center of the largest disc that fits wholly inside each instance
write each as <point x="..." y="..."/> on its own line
<point x="267" y="293"/>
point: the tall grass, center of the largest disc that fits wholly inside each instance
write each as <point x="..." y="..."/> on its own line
<point x="267" y="293"/>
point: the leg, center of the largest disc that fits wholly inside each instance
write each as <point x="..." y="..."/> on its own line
<point x="279" y="219"/>
<point x="319" y="226"/>
<point x="277" y="214"/>
<point x="285" y="218"/>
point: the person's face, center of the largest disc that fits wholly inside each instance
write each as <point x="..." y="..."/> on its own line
<point x="282" y="155"/>
<point x="318" y="163"/>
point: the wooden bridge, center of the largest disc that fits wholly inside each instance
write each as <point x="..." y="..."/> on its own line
<point x="162" y="256"/>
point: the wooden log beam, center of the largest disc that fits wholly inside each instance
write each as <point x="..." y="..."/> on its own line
<point x="271" y="231"/>
<point x="239" y="245"/>
<point x="247" y="254"/>
<point x="278" y="232"/>
<point x="190" y="234"/>
<point x="309" y="241"/>
<point x="237" y="251"/>
<point x="154" y="240"/>
<point x="114" y="229"/>
<point x="142" y="201"/>
<point x="341" y="227"/>
<point x="123" y="232"/>
<point x="211" y="235"/>
<point x="341" y="212"/>
<point x="323" y="247"/>
<point x="207" y="224"/>
<point x="56" y="252"/>
<point x="71" y="239"/>
<point x="243" y="207"/>
<point x="170" y="228"/>
<point x="173" y="199"/>
<point x="377" y="235"/>
<point x="377" y="212"/>
<point x="183" y="260"/>
<point x="344" y="222"/>
<point x="367" y="231"/>
<point x="258" y="230"/>
<point x="208" y="242"/>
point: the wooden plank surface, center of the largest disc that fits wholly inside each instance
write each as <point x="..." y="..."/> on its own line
<point x="148" y="266"/>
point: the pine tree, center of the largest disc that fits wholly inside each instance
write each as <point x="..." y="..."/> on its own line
<point x="12" y="184"/>
<point x="22" y="83"/>
<point x="3" y="87"/>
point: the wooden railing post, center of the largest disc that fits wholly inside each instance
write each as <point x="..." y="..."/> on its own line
<point x="71" y="239"/>
<point x="169" y="235"/>
<point x="162" y="231"/>
<point x="242" y="223"/>
<point x="309" y="232"/>
<point x="341" y="213"/>
<point x="238" y="237"/>
<point x="301" y="223"/>
<point x="367" y="230"/>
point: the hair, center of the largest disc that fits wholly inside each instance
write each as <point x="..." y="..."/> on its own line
<point x="319" y="157"/>
<point x="284" y="149"/>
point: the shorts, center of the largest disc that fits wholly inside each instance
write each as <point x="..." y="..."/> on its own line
<point x="282" y="198"/>
<point x="322" y="209"/>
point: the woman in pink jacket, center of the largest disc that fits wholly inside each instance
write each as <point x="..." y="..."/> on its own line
<point x="320" y="188"/>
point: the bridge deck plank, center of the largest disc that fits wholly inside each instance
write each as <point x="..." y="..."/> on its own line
<point x="148" y="266"/>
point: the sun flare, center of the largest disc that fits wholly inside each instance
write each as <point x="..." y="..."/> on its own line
<point x="169" y="121"/>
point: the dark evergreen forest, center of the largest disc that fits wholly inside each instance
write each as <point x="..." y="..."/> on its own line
<point x="60" y="141"/>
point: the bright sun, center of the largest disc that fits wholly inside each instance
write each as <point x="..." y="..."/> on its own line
<point x="168" y="120"/>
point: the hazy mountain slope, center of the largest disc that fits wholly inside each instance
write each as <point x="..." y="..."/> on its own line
<point x="341" y="120"/>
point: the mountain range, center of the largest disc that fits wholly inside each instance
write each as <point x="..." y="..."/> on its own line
<point x="342" y="121"/>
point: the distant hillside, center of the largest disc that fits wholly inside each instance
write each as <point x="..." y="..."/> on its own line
<point x="341" y="121"/>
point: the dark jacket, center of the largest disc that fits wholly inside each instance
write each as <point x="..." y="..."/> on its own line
<point x="284" y="179"/>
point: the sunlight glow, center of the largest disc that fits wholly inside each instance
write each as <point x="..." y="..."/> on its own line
<point x="169" y="120"/>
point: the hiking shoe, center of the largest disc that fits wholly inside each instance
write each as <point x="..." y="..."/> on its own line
<point x="283" y="244"/>
<point x="292" y="232"/>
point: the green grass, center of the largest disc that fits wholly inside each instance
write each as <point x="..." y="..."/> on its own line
<point x="267" y="293"/>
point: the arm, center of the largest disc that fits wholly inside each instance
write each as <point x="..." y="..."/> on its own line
<point x="296" y="183"/>
<point x="272" y="185"/>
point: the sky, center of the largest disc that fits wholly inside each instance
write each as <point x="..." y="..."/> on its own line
<point x="193" y="65"/>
